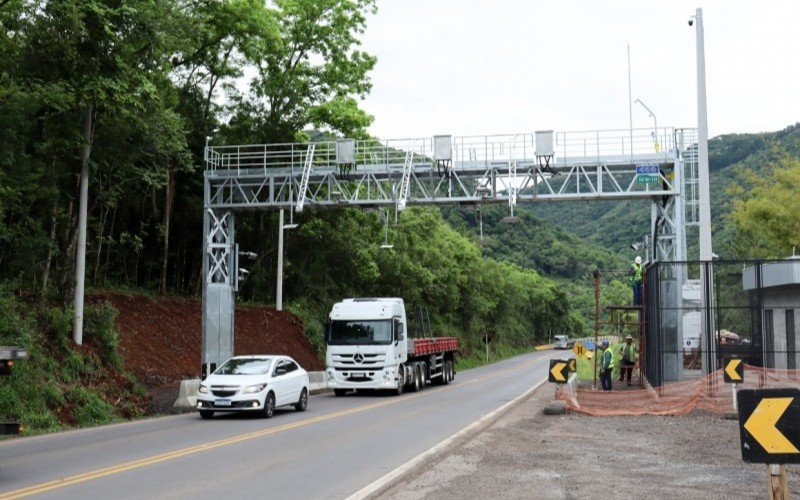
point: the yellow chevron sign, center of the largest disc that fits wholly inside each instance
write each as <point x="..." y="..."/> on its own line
<point x="734" y="371"/>
<point x="769" y="422"/>
<point x="559" y="371"/>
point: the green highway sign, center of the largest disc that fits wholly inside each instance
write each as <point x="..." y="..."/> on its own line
<point x="646" y="178"/>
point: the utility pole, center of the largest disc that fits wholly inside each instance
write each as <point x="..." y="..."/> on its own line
<point x="702" y="144"/>
<point x="80" y="256"/>
<point x="707" y="345"/>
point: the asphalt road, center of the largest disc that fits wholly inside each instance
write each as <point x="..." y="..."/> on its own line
<point x="334" y="449"/>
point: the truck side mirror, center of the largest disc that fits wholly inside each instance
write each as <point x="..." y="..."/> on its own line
<point x="399" y="330"/>
<point x="328" y="326"/>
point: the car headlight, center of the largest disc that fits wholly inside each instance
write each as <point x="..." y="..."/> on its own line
<point x="202" y="389"/>
<point x="252" y="389"/>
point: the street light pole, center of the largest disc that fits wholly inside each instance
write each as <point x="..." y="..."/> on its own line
<point x="655" y="120"/>
<point x="279" y="286"/>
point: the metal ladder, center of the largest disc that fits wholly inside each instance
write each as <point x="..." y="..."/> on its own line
<point x="405" y="182"/>
<point x="301" y="196"/>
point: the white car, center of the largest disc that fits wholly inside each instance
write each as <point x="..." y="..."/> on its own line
<point x="254" y="383"/>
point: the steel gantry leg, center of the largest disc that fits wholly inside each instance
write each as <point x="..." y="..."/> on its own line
<point x="219" y="276"/>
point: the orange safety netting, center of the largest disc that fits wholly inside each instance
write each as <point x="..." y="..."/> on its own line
<point x="709" y="393"/>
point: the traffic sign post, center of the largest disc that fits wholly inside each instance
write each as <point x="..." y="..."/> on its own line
<point x="769" y="430"/>
<point x="559" y="371"/>
<point x="733" y="373"/>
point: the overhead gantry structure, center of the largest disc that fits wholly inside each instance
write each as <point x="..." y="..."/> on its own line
<point x="659" y="165"/>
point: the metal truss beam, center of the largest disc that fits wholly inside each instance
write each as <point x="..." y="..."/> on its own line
<point x="423" y="185"/>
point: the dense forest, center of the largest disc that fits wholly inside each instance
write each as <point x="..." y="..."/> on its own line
<point x="125" y="94"/>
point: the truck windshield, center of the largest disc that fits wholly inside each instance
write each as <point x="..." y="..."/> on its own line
<point x="360" y="332"/>
<point x="244" y="366"/>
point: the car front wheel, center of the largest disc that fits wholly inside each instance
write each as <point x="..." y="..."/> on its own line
<point x="269" y="406"/>
<point x="302" y="403"/>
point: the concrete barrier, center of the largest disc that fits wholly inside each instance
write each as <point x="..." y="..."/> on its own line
<point x="187" y="395"/>
<point x="317" y="382"/>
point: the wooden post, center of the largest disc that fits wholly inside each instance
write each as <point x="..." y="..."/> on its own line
<point x="777" y="482"/>
<point x="596" y="274"/>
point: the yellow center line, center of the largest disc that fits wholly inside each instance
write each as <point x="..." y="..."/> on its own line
<point x="136" y="464"/>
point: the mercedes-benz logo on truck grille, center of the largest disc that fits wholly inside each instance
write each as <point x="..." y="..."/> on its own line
<point x="358" y="357"/>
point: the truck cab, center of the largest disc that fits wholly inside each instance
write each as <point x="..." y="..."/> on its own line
<point x="561" y="342"/>
<point x="366" y="344"/>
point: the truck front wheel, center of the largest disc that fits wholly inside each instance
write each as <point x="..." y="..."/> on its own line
<point x="401" y="380"/>
<point x="340" y="392"/>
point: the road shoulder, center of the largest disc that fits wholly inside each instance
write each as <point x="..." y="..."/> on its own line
<point x="526" y="454"/>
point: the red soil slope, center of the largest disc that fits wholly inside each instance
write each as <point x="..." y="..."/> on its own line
<point x="160" y="336"/>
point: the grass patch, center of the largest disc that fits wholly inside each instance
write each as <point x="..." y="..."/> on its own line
<point x="63" y="385"/>
<point x="496" y="353"/>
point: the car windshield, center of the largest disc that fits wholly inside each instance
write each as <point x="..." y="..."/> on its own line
<point x="245" y="366"/>
<point x="360" y="332"/>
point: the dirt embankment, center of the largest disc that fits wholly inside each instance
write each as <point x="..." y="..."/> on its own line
<point x="160" y="337"/>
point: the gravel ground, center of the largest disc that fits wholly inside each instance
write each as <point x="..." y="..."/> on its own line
<point x="526" y="454"/>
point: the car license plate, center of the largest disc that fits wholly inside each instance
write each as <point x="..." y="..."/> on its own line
<point x="222" y="402"/>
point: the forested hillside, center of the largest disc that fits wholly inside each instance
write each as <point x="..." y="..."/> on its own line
<point x="125" y="95"/>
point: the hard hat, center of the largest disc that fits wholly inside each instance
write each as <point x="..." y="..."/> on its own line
<point x="629" y="337"/>
<point x="638" y="260"/>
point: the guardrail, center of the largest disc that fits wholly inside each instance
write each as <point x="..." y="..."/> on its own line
<point x="593" y="145"/>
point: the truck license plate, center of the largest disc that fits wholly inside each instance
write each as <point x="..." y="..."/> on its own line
<point x="358" y="375"/>
<point x="222" y="402"/>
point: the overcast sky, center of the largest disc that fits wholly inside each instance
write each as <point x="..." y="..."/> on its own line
<point x="466" y="67"/>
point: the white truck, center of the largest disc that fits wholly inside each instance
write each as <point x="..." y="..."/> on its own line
<point x="368" y="349"/>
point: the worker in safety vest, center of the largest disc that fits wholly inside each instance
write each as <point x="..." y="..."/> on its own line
<point x="606" y="360"/>
<point x="636" y="272"/>
<point x="628" y="354"/>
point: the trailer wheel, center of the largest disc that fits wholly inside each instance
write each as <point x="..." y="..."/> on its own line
<point x="452" y="370"/>
<point x="445" y="378"/>
<point x="417" y="379"/>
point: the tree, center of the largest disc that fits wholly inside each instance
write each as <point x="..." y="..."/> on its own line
<point x="767" y="217"/>
<point x="312" y="76"/>
<point x="80" y="61"/>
